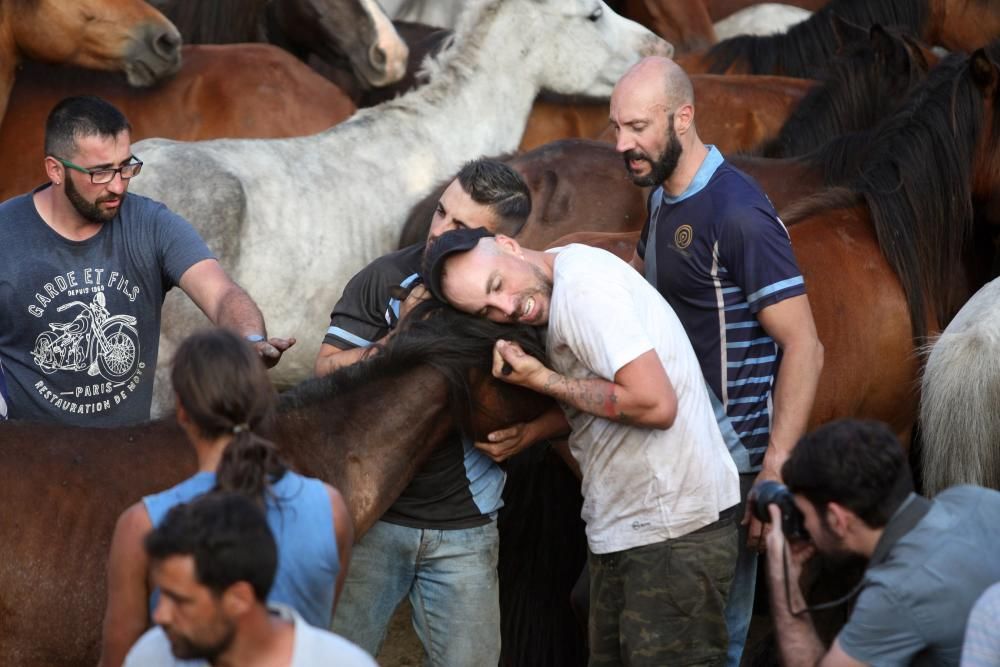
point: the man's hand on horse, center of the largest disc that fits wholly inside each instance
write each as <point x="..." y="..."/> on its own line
<point x="512" y="364"/>
<point x="506" y="442"/>
<point x="418" y="294"/>
<point x="270" y="350"/>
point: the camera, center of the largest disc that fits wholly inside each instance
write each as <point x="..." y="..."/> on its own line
<point x="770" y="492"/>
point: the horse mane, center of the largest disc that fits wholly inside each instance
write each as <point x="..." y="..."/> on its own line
<point x="916" y="182"/>
<point x="807" y="45"/>
<point x="434" y="334"/>
<point x="217" y="21"/>
<point x="454" y="63"/>
<point x="860" y="87"/>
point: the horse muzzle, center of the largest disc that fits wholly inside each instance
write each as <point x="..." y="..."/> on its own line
<point x="154" y="54"/>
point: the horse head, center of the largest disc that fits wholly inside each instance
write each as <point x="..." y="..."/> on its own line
<point x="357" y="30"/>
<point x="460" y="347"/>
<point x="129" y="35"/>
<point x="553" y="34"/>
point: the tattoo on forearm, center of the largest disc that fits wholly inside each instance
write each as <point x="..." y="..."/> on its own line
<point x="591" y="395"/>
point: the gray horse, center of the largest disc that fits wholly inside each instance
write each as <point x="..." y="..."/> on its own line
<point x="293" y="219"/>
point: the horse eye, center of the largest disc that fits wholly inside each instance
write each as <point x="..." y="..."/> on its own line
<point x="596" y="14"/>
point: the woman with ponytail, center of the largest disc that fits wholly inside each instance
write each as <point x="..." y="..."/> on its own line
<point x="224" y="400"/>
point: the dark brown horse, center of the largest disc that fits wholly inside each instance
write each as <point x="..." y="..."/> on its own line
<point x="953" y="24"/>
<point x="365" y="430"/>
<point x="207" y="99"/>
<point x="354" y="32"/>
<point x="869" y="78"/>
<point x="126" y="35"/>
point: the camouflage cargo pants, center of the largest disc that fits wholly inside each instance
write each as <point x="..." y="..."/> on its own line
<point x="663" y="604"/>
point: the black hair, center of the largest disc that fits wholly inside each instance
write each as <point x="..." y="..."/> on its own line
<point x="81" y="116"/>
<point x="224" y="388"/>
<point x="228" y="537"/>
<point x="495" y="184"/>
<point x="855" y="463"/>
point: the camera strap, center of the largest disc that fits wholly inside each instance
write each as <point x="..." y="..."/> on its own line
<point x="914" y="509"/>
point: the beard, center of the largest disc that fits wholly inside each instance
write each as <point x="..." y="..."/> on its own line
<point x="184" y="648"/>
<point x="91" y="211"/>
<point x="542" y="290"/>
<point x="662" y="167"/>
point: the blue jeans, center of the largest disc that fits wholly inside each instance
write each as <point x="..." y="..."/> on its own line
<point x="739" y="607"/>
<point x="451" y="579"/>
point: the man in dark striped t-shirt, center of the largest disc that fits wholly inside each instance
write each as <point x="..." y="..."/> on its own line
<point x="715" y="249"/>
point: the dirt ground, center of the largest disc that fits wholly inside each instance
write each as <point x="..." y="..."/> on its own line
<point x="401" y="648"/>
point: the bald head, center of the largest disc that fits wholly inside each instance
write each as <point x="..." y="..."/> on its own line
<point x="659" y="80"/>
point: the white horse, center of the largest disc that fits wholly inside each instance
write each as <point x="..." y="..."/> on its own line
<point x="439" y="13"/>
<point x="293" y="219"/>
<point x="960" y="398"/>
<point x="766" y="18"/>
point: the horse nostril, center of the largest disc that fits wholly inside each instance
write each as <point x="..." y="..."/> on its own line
<point x="167" y="43"/>
<point x="377" y="57"/>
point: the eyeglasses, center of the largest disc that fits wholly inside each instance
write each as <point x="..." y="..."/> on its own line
<point x="102" y="176"/>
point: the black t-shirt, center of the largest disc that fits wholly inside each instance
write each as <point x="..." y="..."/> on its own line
<point x="458" y="486"/>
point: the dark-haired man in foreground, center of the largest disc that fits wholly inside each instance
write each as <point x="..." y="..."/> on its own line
<point x="928" y="560"/>
<point x="213" y="561"/>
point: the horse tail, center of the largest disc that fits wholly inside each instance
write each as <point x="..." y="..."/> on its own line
<point x="960" y="424"/>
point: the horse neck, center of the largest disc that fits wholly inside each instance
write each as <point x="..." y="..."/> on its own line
<point x="9" y="58"/>
<point x="369" y="441"/>
<point x="472" y="88"/>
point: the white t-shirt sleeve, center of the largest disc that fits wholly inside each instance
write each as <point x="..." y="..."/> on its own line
<point x="597" y="320"/>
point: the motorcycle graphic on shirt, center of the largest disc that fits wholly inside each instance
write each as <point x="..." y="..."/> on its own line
<point x="94" y="341"/>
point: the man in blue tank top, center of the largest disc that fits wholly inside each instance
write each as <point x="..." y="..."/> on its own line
<point x="718" y="253"/>
<point x="438" y="542"/>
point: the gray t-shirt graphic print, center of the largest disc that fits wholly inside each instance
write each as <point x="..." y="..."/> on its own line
<point x="80" y="320"/>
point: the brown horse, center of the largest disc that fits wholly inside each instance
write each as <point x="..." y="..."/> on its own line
<point x="207" y="99"/>
<point x="365" y="430"/>
<point x="953" y="24"/>
<point x="684" y="23"/>
<point x="127" y="35"/>
<point x="871" y="76"/>
<point x="746" y="111"/>
<point x="354" y="32"/>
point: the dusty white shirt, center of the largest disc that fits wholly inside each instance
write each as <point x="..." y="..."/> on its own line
<point x="640" y="485"/>
<point x="312" y="647"/>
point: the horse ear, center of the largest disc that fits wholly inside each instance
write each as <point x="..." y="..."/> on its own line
<point x="983" y="71"/>
<point x="845" y="31"/>
<point x="887" y="49"/>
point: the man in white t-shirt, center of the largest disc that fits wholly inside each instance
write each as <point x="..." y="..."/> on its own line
<point x="659" y="488"/>
<point x="213" y="562"/>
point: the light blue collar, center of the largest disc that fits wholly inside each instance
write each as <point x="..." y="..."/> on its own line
<point x="708" y="166"/>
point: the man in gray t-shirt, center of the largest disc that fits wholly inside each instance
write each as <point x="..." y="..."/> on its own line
<point x="86" y="269"/>
<point x="928" y="560"/>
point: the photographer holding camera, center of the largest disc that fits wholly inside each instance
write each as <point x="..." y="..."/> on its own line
<point x="928" y="560"/>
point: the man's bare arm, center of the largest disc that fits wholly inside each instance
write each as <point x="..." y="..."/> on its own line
<point x="640" y="394"/>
